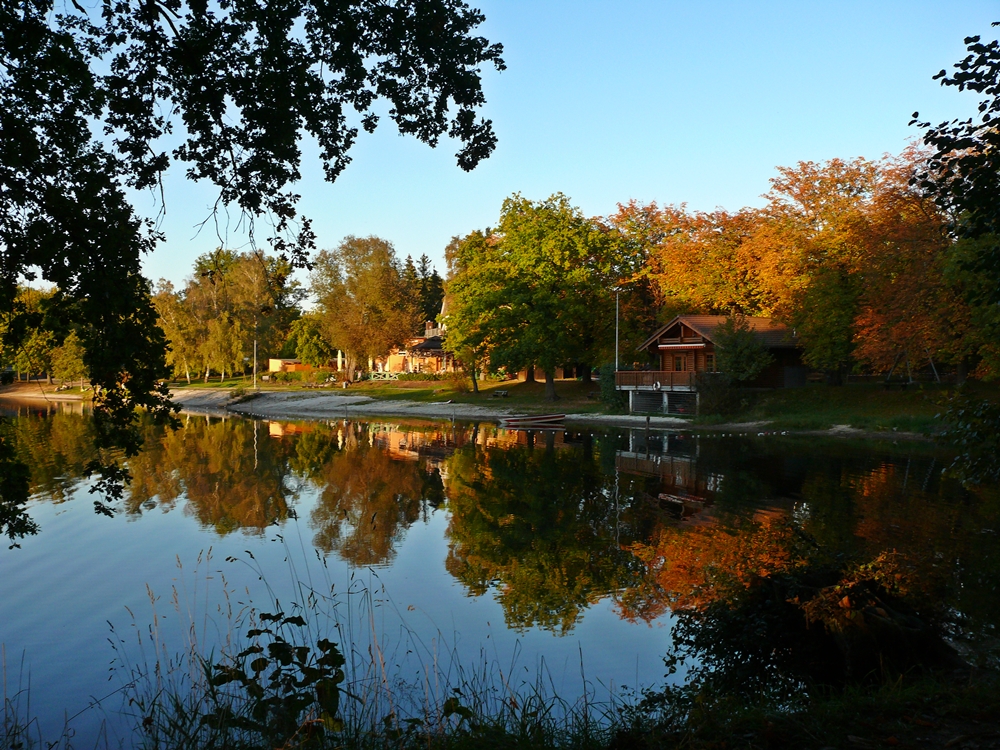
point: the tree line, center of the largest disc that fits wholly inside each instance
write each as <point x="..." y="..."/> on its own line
<point x="367" y="301"/>
<point x="860" y="257"/>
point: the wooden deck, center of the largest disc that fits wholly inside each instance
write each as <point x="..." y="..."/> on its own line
<point x="653" y="380"/>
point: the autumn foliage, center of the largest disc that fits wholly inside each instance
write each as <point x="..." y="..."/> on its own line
<point x="849" y="253"/>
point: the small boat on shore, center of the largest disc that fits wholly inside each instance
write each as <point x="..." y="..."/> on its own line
<point x="533" y="420"/>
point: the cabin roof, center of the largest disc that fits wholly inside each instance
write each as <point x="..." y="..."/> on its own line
<point x="770" y="333"/>
<point x="434" y="343"/>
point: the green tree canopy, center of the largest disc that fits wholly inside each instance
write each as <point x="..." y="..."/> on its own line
<point x="67" y="359"/>
<point x="741" y="355"/>
<point x="231" y="301"/>
<point x="537" y="291"/>
<point x="311" y="345"/>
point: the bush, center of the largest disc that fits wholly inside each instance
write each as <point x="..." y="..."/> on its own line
<point x="972" y="428"/>
<point x="609" y="395"/>
<point x="716" y="394"/>
<point x="741" y="356"/>
<point x="420" y="376"/>
<point x="460" y="381"/>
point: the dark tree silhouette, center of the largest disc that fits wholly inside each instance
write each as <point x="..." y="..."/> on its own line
<point x="98" y="98"/>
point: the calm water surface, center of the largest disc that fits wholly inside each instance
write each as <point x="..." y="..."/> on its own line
<point x="533" y="552"/>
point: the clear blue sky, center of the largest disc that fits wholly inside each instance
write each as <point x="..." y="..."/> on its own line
<point x="692" y="102"/>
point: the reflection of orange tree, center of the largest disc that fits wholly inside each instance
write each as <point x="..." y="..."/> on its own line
<point x="368" y="501"/>
<point x="766" y="610"/>
<point x="690" y="568"/>
<point x="229" y="482"/>
<point x="903" y="506"/>
<point x="540" y="526"/>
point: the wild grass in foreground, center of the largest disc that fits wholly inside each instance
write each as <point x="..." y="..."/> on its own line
<point x="322" y="672"/>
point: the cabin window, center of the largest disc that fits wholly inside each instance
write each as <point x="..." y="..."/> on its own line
<point x="679" y="363"/>
<point x="710" y="362"/>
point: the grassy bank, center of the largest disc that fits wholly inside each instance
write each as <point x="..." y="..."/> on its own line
<point x="867" y="407"/>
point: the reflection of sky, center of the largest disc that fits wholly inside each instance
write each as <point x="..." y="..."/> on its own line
<point x="84" y="569"/>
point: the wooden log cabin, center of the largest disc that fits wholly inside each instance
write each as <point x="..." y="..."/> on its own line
<point x="685" y="347"/>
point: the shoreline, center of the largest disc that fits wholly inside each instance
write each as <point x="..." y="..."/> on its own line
<point x="311" y="406"/>
<point x="319" y="406"/>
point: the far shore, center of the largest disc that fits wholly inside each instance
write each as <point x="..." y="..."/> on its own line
<point x="319" y="406"/>
<point x="307" y="405"/>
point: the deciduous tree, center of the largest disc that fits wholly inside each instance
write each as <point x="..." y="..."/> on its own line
<point x="365" y="306"/>
<point x="535" y="292"/>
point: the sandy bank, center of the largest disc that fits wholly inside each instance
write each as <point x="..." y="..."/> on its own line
<point x="37" y="390"/>
<point x="297" y="405"/>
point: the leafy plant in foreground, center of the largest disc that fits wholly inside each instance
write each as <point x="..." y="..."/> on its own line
<point x="973" y="430"/>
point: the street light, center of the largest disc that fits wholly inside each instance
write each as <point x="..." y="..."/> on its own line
<point x="617" y="292"/>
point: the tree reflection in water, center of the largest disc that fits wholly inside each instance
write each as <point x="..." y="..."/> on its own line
<point x="232" y="475"/>
<point x="367" y="500"/>
<point x="43" y="451"/>
<point x="850" y="572"/>
<point x="541" y="526"/>
<point x="742" y="541"/>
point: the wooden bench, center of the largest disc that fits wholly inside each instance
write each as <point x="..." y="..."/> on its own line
<point x="499" y="394"/>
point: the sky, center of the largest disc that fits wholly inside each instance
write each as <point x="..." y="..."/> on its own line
<point x="673" y="102"/>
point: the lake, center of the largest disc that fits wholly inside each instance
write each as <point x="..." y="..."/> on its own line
<point x="461" y="551"/>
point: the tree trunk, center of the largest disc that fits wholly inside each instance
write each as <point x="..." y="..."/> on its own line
<point x="529" y="376"/>
<point x="475" y="381"/>
<point x="48" y="377"/>
<point x="207" y="371"/>
<point x="893" y="368"/>
<point x="962" y="372"/>
<point x="586" y="374"/>
<point x="550" y="386"/>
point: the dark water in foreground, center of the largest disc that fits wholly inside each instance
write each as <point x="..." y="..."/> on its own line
<point x="554" y="553"/>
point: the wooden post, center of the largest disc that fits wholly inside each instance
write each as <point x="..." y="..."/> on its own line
<point x="929" y="357"/>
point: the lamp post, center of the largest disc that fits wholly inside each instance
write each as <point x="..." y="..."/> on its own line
<point x="617" y="292"/>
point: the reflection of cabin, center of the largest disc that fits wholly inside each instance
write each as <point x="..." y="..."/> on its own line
<point x="281" y="429"/>
<point x="287" y="365"/>
<point x="682" y="489"/>
<point x="685" y="347"/>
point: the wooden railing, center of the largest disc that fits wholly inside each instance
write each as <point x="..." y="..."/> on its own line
<point x="650" y="379"/>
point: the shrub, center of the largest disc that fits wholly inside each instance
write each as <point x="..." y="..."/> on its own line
<point x="609" y="395"/>
<point x="972" y="428"/>
<point x="716" y="394"/>
<point x="741" y="356"/>
<point x="460" y="381"/>
<point x="420" y="376"/>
